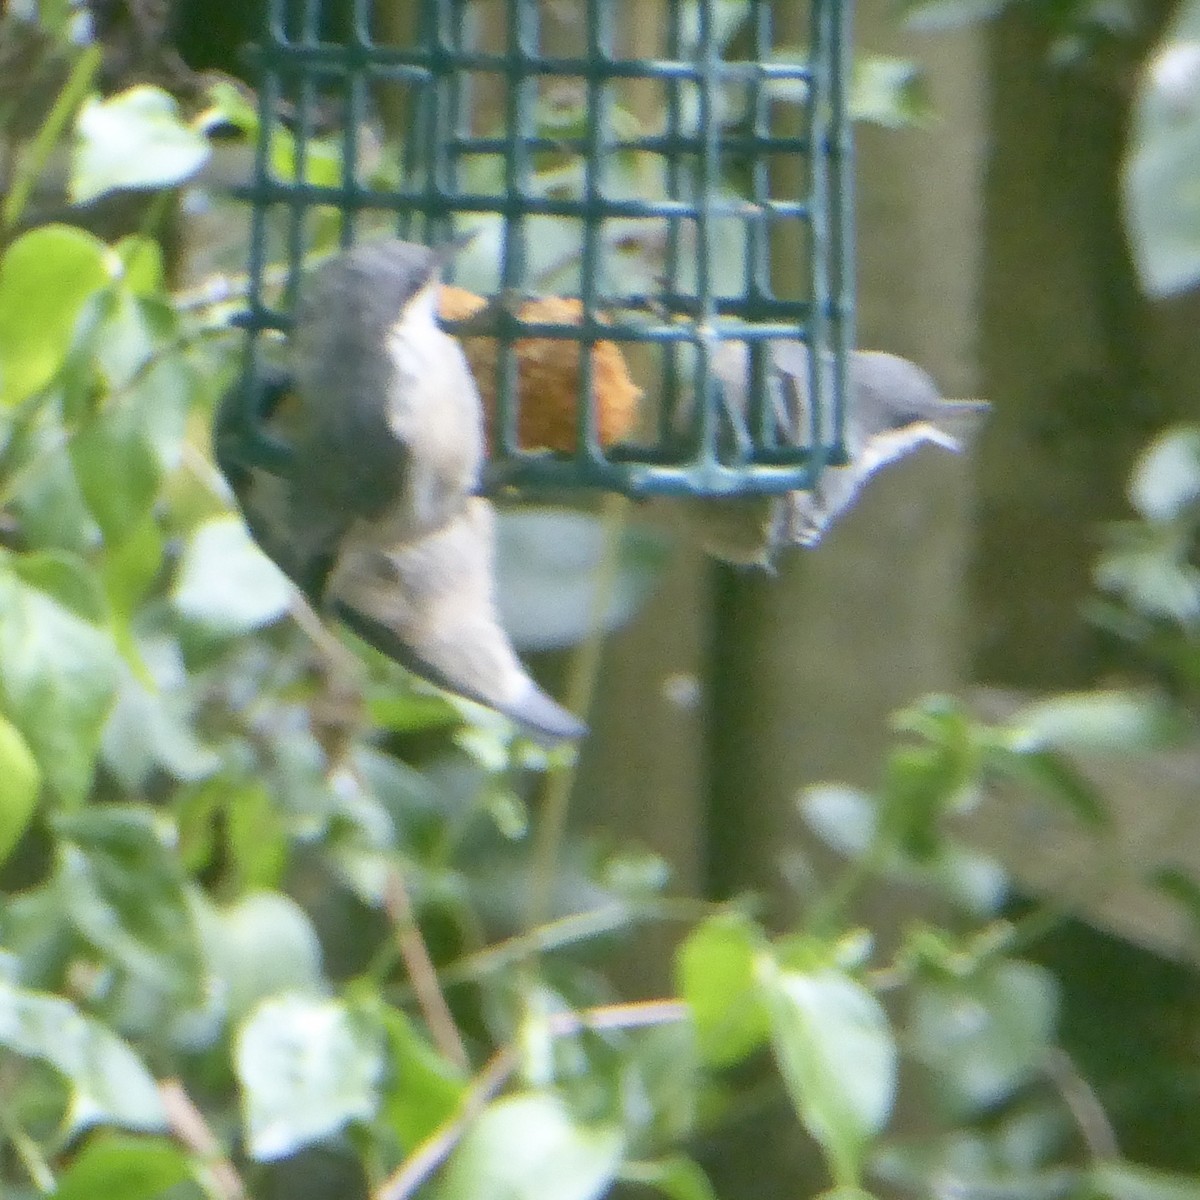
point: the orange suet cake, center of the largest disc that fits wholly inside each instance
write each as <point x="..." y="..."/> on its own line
<point x="548" y="381"/>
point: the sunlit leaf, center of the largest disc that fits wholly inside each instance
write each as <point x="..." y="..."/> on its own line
<point x="119" y="1167"/>
<point x="1110" y="720"/>
<point x="1148" y="566"/>
<point x="677" y="1178"/>
<point x="844" y="818"/>
<point x="227" y="583"/>
<point x="135" y="139"/>
<point x="123" y="889"/>
<point x="109" y="1084"/>
<point x="1129" y="1181"/>
<point x="46" y="276"/>
<point x="1166" y="479"/>
<point x="58" y="675"/>
<point x="20" y="782"/>
<point x="153" y="728"/>
<point x="307" y="1067"/>
<point x="715" y="974"/>
<point x="987" y="1034"/>
<point x="529" y="1147"/>
<point x="142" y="258"/>
<point x="117" y="471"/>
<point x="838" y="1060"/>
<point x="262" y="945"/>
<point x="423" y="1089"/>
<point x="1161" y="180"/>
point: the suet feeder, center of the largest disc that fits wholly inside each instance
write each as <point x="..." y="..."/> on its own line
<point x="639" y="181"/>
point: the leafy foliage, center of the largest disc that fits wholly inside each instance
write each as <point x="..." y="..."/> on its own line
<point x="264" y="899"/>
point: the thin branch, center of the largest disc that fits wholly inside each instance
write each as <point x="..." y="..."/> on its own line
<point x="1083" y="1104"/>
<point x="585" y="669"/>
<point x="422" y="972"/>
<point x="187" y="1123"/>
<point x="566" y="931"/>
<point x="435" y="1149"/>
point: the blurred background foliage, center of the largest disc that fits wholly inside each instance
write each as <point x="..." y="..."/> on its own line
<point x="278" y="920"/>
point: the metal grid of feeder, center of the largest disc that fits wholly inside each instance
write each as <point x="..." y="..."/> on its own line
<point x="680" y="166"/>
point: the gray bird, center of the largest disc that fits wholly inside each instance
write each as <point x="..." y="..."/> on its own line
<point x="355" y="474"/>
<point x="892" y="408"/>
<point x="388" y="433"/>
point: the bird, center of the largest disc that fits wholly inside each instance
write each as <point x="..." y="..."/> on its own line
<point x="893" y="406"/>
<point x="356" y="471"/>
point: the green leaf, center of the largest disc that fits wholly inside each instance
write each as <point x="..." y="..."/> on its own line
<point x="424" y="1090"/>
<point x="549" y="563"/>
<point x="142" y="258"/>
<point x="715" y="974"/>
<point x="1129" y="1181"/>
<point x="1107" y="721"/>
<point x="46" y="497"/>
<point x="1057" y="778"/>
<point x="890" y="92"/>
<point x="116" y="468"/>
<point x="58" y="676"/>
<point x="920" y="783"/>
<point x="307" y="1067"/>
<point x="134" y="139"/>
<point x="1166" y="478"/>
<point x="530" y="1147"/>
<point x="677" y="1178"/>
<point x="66" y="579"/>
<point x="46" y="277"/>
<point x="986" y="1034"/>
<point x="1147" y="566"/>
<point x="1182" y="889"/>
<point x="152" y="726"/>
<point x="131" y="567"/>
<point x="1161" y="180"/>
<point x="226" y="583"/>
<point x="20" y="782"/>
<point x="837" y="1056"/>
<point x="844" y="818"/>
<point x="118" y="1167"/>
<point x="263" y="945"/>
<point x="123" y="890"/>
<point x="109" y="1084"/>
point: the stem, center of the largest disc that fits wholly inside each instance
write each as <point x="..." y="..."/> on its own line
<point x="565" y="931"/>
<point x="34" y="159"/>
<point x="423" y="973"/>
<point x="30" y="1154"/>
<point x="187" y="1123"/>
<point x="584" y="671"/>
<point x="829" y="912"/>
<point x="435" y="1149"/>
<point x="1083" y="1104"/>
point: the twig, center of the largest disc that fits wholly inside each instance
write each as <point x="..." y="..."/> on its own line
<point x="436" y="1148"/>
<point x="422" y="972"/>
<point x="1083" y="1104"/>
<point x="566" y="931"/>
<point x="187" y="1123"/>
<point x="585" y="668"/>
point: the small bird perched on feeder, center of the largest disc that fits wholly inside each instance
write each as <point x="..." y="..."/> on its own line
<point x="893" y="407"/>
<point x="356" y="474"/>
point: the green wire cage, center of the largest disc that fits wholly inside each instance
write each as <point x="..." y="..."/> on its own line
<point x="680" y="167"/>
